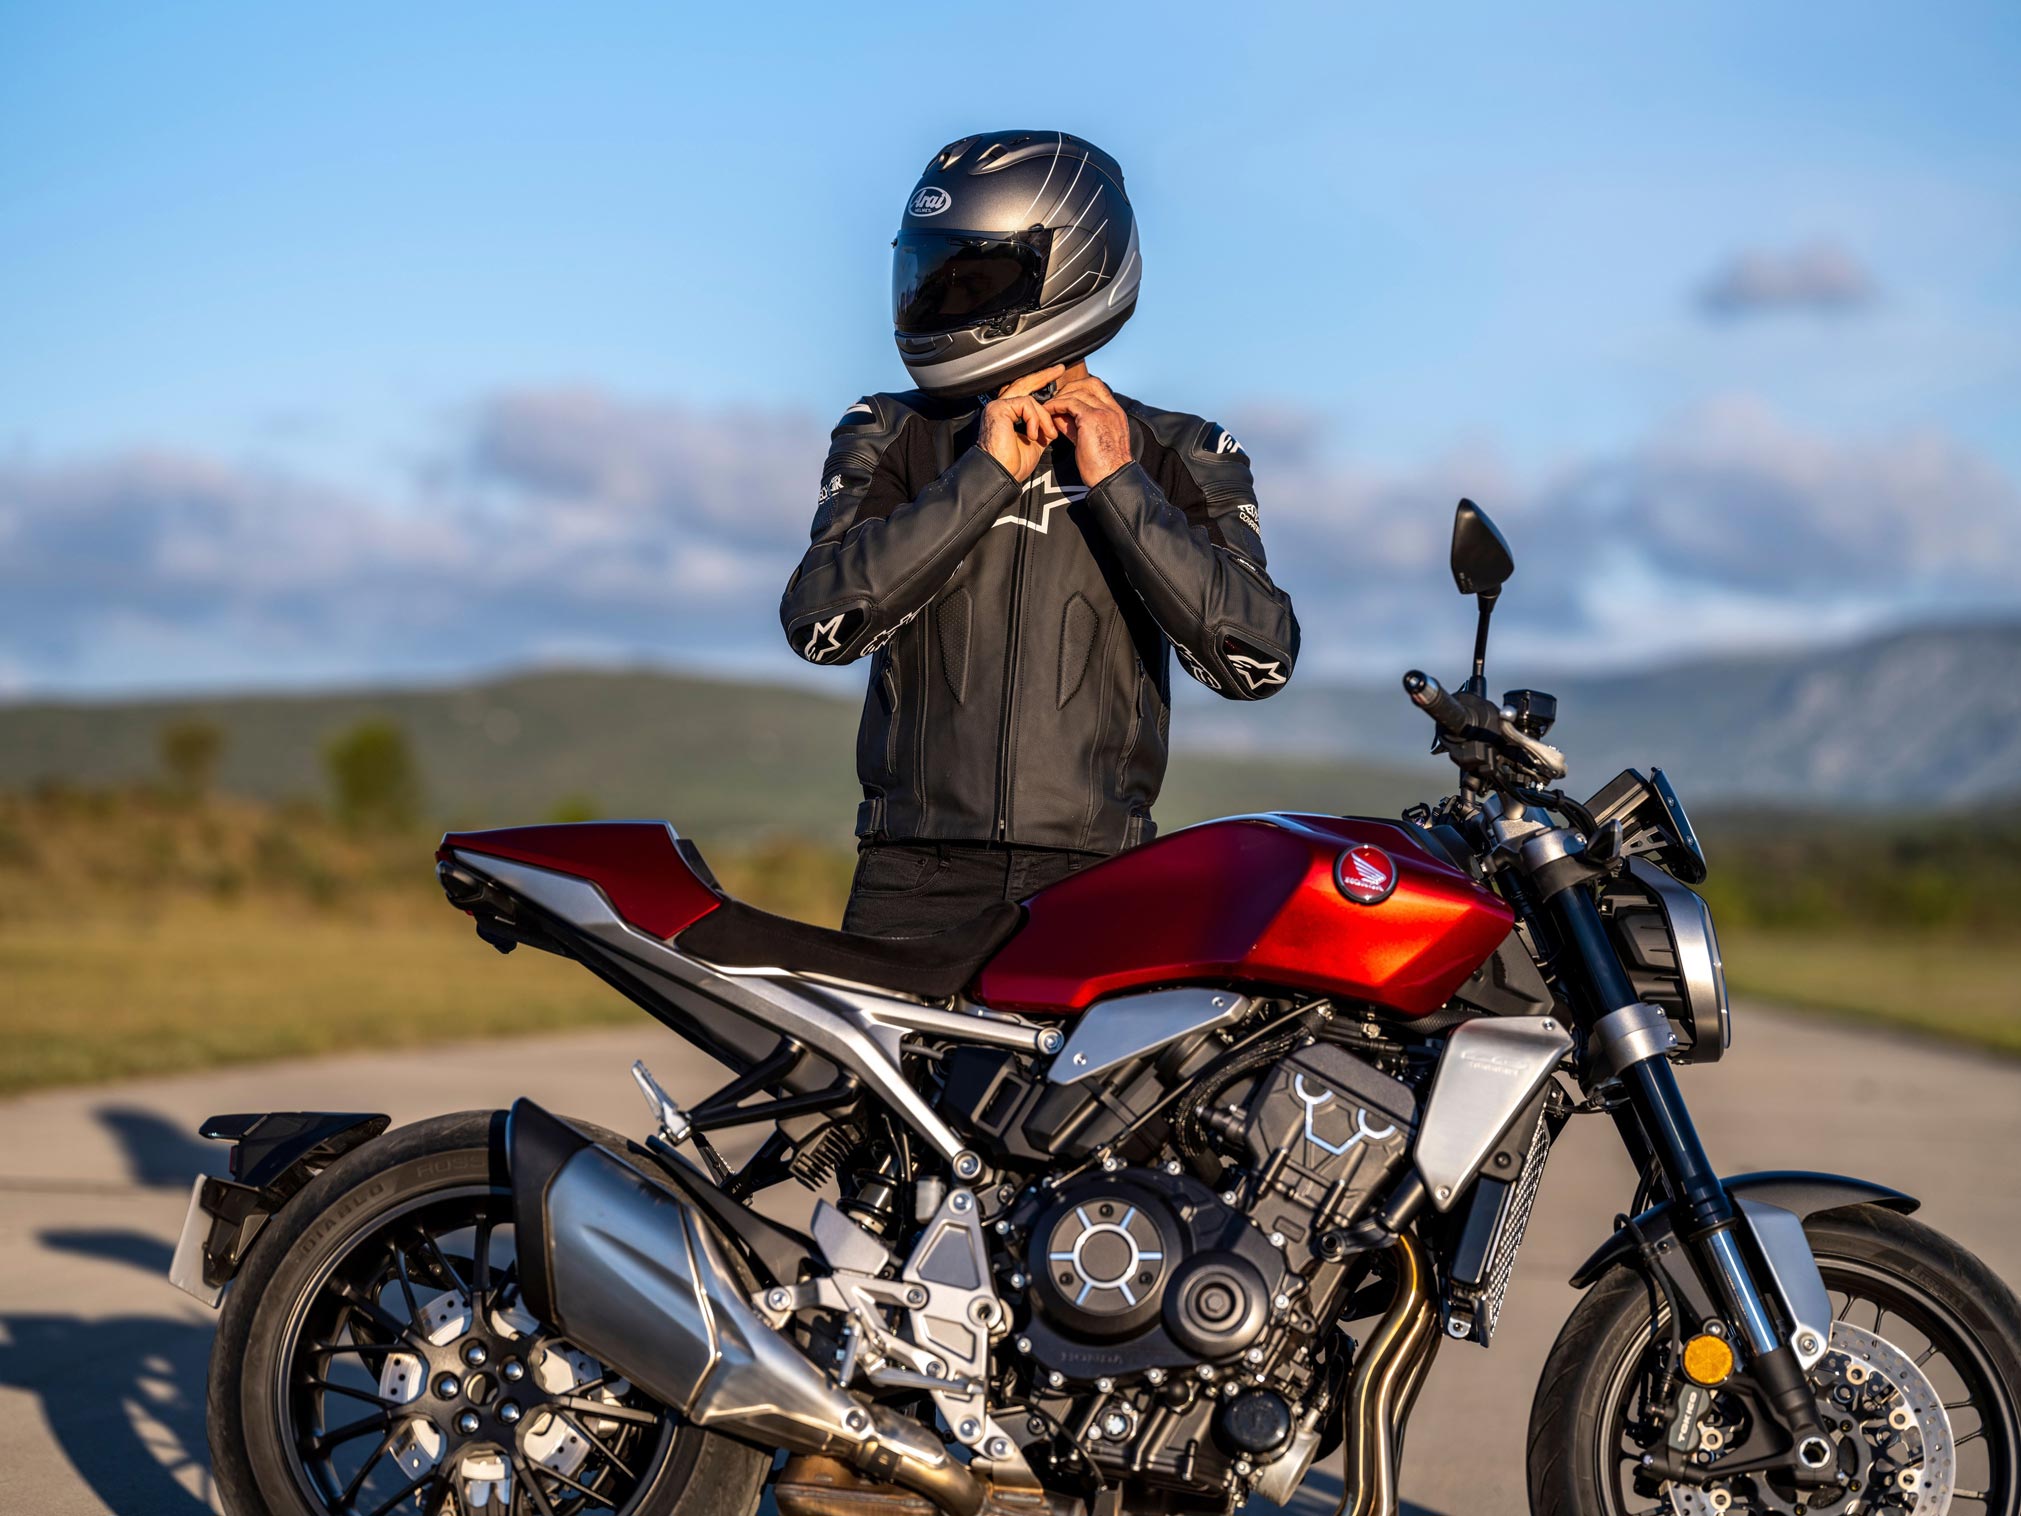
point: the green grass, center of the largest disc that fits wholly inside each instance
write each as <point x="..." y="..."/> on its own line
<point x="142" y="934"/>
<point x="194" y="987"/>
<point x="1962" y="989"/>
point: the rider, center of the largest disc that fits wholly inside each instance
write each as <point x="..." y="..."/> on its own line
<point x="1016" y="548"/>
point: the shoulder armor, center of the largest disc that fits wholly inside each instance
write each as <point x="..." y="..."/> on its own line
<point x="1209" y="451"/>
<point x="1194" y="437"/>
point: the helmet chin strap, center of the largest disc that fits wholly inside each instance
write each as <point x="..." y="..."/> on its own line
<point x="1078" y="369"/>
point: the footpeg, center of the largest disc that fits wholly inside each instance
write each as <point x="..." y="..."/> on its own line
<point x="673" y="1121"/>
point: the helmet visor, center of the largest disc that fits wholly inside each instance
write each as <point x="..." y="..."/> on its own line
<point x="943" y="281"/>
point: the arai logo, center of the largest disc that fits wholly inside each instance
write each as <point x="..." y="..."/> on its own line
<point x="930" y="200"/>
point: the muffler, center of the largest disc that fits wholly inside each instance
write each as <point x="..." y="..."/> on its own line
<point x="629" y="1273"/>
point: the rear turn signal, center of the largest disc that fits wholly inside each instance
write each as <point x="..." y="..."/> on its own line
<point x="1708" y="1360"/>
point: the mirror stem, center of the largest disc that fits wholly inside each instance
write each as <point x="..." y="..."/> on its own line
<point x="1478" y="683"/>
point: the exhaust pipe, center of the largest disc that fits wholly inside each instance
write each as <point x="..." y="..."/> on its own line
<point x="632" y="1275"/>
<point x="1386" y="1382"/>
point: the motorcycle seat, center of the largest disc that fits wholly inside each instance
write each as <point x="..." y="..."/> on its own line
<point x="735" y="935"/>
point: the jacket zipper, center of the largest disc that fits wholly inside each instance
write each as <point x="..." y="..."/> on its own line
<point x="1010" y="674"/>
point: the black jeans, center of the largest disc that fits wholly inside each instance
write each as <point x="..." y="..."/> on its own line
<point x="913" y="889"/>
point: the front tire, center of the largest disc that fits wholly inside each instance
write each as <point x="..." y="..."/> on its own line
<point x="389" y="1276"/>
<point x="1889" y="1277"/>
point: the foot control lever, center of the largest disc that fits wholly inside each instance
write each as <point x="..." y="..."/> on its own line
<point x="673" y="1121"/>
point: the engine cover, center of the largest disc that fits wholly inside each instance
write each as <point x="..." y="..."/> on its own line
<point x="1325" y="1133"/>
<point x="1144" y="1269"/>
<point x="1106" y="1257"/>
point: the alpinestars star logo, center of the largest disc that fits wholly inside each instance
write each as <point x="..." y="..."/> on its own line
<point x="1256" y="673"/>
<point x="817" y="651"/>
<point x="1042" y="494"/>
<point x="1366" y="874"/>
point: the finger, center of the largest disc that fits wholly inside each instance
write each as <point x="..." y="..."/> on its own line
<point x="1030" y="382"/>
<point x="1038" y="424"/>
<point x="1090" y="393"/>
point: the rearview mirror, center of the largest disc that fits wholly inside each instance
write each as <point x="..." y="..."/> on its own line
<point x="1481" y="560"/>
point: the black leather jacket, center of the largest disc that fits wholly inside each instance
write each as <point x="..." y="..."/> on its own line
<point x="1020" y="684"/>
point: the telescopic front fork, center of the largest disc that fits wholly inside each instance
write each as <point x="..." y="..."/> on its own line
<point x="1620" y="1030"/>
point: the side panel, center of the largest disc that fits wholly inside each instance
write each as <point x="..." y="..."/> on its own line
<point x="640" y="865"/>
<point x="1251" y="899"/>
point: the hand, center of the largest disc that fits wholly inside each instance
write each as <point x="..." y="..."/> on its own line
<point x="1089" y="417"/>
<point x="1016" y="431"/>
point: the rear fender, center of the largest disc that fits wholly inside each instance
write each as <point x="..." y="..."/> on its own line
<point x="274" y="1154"/>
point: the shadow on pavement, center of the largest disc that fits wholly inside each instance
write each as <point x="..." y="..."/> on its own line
<point x="1320" y="1496"/>
<point x="123" y="1395"/>
<point x="148" y="1254"/>
<point x="124" y="1400"/>
<point x="159" y="1154"/>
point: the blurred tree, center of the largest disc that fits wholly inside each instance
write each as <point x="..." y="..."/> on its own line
<point x="190" y="749"/>
<point x="576" y="807"/>
<point x="373" y="775"/>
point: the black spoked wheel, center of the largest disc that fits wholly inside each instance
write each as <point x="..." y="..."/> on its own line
<point x="1918" y="1388"/>
<point x="377" y="1359"/>
<point x="415" y="1373"/>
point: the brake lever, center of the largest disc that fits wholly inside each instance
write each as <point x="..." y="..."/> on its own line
<point x="1548" y="760"/>
<point x="1457" y="715"/>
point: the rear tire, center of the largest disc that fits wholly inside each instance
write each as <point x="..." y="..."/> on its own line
<point x="1902" y="1263"/>
<point x="347" y="1214"/>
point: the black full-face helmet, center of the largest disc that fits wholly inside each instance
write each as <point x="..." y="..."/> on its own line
<point x="1018" y="251"/>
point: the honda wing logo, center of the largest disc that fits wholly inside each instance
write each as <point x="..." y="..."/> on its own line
<point x="1256" y="673"/>
<point x="931" y="200"/>
<point x="1366" y="875"/>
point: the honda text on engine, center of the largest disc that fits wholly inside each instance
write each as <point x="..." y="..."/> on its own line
<point x="1147" y="1194"/>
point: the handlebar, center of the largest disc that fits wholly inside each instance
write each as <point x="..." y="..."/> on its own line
<point x="1457" y="716"/>
<point x="1427" y="694"/>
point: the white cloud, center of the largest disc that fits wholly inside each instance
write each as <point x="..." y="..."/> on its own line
<point x="573" y="522"/>
<point x="1822" y="278"/>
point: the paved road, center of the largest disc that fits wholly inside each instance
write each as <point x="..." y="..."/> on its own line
<point x="102" y="1362"/>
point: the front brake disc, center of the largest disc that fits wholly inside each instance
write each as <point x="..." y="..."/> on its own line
<point x="1894" y="1438"/>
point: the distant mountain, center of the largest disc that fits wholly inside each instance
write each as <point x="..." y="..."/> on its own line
<point x="717" y="759"/>
<point x="1916" y="719"/>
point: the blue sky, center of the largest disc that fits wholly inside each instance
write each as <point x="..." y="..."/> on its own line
<point x="289" y="294"/>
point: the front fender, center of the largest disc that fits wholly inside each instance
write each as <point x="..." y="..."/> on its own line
<point x="1802" y="1194"/>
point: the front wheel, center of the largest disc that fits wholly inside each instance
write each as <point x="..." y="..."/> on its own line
<point x="375" y="1359"/>
<point x="1919" y="1386"/>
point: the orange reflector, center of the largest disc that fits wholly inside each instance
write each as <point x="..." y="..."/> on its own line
<point x="1708" y="1360"/>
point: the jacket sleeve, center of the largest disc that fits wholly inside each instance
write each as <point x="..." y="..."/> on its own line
<point x="881" y="551"/>
<point x="1197" y="561"/>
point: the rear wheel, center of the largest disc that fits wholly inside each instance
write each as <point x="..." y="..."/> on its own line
<point x="375" y="1359"/>
<point x="1920" y="1388"/>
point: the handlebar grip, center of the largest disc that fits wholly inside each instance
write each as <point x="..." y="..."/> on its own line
<point x="1426" y="694"/>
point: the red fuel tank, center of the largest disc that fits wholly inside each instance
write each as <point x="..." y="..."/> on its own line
<point x="1342" y="906"/>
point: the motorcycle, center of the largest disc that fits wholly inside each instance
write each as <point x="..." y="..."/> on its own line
<point x="1145" y="1194"/>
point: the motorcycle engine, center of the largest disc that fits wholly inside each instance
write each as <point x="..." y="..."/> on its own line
<point x="1173" y="1321"/>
